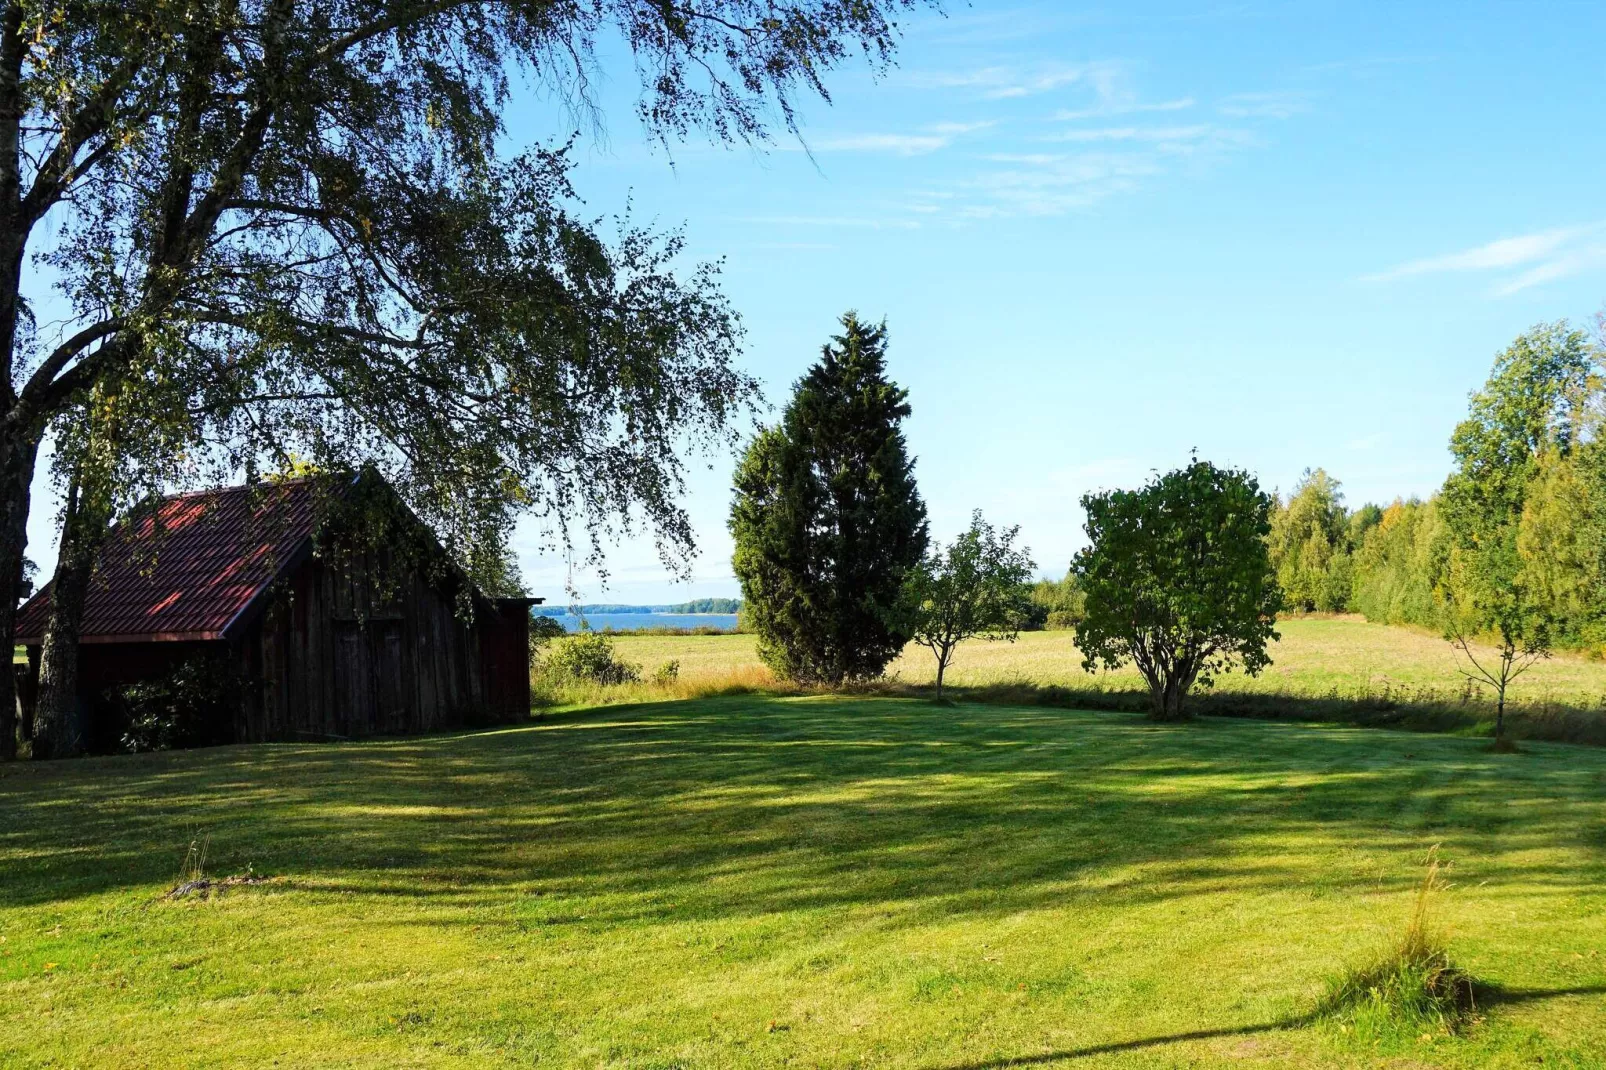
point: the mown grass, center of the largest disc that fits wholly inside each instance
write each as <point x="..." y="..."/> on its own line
<point x="813" y="881"/>
<point x="1336" y="669"/>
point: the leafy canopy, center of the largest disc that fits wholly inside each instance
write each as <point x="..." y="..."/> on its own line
<point x="293" y="223"/>
<point x="1178" y="580"/>
<point x="1525" y="423"/>
<point x="1309" y="539"/>
<point x="827" y="520"/>
<point x="976" y="587"/>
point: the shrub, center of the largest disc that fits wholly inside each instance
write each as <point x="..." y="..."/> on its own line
<point x="192" y="705"/>
<point x="667" y="673"/>
<point x="543" y="630"/>
<point x="590" y="657"/>
<point x="1061" y="620"/>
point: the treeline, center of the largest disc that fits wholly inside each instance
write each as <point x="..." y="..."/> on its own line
<point x="1527" y="496"/>
<point x="1528" y="489"/>
<point x="725" y="606"/>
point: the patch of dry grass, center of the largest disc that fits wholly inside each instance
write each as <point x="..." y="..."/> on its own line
<point x="1323" y="668"/>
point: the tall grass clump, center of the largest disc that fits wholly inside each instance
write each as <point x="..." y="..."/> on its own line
<point x="1413" y="986"/>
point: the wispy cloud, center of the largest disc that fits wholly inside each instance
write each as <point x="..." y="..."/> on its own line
<point x="1547" y="255"/>
<point x="901" y="144"/>
<point x="1010" y="82"/>
<point x="1137" y="133"/>
<point x="1367" y="442"/>
<point x="1115" y="108"/>
<point x="1276" y="104"/>
<point x="865" y="222"/>
<point x="1045" y="184"/>
<point x="1568" y="264"/>
<point x="928" y="139"/>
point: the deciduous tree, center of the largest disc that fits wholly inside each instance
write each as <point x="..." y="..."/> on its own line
<point x="976" y="587"/>
<point x="294" y="215"/>
<point x="1178" y="581"/>
<point x="1530" y="409"/>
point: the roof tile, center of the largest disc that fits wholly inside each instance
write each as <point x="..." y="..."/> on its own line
<point x="190" y="574"/>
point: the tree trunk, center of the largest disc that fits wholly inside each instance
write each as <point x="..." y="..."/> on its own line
<point x="59" y="727"/>
<point x="1166" y="698"/>
<point x="942" y="664"/>
<point x="17" y="456"/>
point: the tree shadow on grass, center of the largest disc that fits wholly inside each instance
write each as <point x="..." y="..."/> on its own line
<point x="1488" y="996"/>
<point x="751" y="806"/>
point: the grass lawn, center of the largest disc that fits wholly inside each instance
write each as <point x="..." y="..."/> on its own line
<point x="1314" y="657"/>
<point x="765" y="882"/>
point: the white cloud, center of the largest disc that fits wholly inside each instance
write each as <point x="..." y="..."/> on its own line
<point x="833" y="221"/>
<point x="1547" y="255"/>
<point x="1573" y="263"/>
<point x="1277" y="104"/>
<point x="1367" y="442"/>
<point x="901" y="144"/>
<point x="1053" y="185"/>
<point x="1114" y="108"/>
<point x="954" y="129"/>
<point x="929" y="139"/>
<point x="1137" y="133"/>
<point x="1006" y="83"/>
<point x="1504" y="253"/>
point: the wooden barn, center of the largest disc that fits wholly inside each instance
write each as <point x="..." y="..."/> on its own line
<point x="323" y="634"/>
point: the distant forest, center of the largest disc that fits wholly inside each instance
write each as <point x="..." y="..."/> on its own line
<point x="1527" y="495"/>
<point x="700" y="605"/>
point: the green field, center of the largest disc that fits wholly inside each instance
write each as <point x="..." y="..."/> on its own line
<point x="1315" y="656"/>
<point x="1339" y="669"/>
<point x="765" y="882"/>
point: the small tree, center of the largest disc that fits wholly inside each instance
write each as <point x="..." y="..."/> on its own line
<point x="1486" y="594"/>
<point x="1178" y="580"/>
<point x="975" y="588"/>
<point x="1532" y="408"/>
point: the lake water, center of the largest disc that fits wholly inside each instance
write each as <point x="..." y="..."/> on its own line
<point x="620" y="622"/>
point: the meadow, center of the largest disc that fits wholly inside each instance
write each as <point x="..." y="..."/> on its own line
<point x="1333" y="668"/>
<point x="796" y="881"/>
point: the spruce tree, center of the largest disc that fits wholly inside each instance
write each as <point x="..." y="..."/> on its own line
<point x="827" y="520"/>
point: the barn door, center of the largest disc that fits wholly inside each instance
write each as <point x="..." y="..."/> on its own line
<point x="390" y="692"/>
<point x="354" y="691"/>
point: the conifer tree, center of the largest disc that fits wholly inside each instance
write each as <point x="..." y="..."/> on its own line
<point x="827" y="519"/>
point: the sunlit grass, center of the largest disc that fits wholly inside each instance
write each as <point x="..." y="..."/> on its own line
<point x="1315" y="656"/>
<point x="1335" y="668"/>
<point x="805" y="882"/>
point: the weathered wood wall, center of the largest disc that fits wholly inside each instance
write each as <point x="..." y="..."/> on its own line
<point x="333" y="658"/>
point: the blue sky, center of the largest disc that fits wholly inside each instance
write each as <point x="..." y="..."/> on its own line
<point x="1288" y="235"/>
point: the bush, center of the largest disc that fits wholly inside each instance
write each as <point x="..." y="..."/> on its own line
<point x="1060" y="604"/>
<point x="589" y="657"/>
<point x="542" y="631"/>
<point x="193" y="705"/>
<point x="1061" y="620"/>
<point x="667" y="673"/>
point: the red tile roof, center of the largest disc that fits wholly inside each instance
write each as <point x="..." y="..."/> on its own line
<point x="194" y="573"/>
